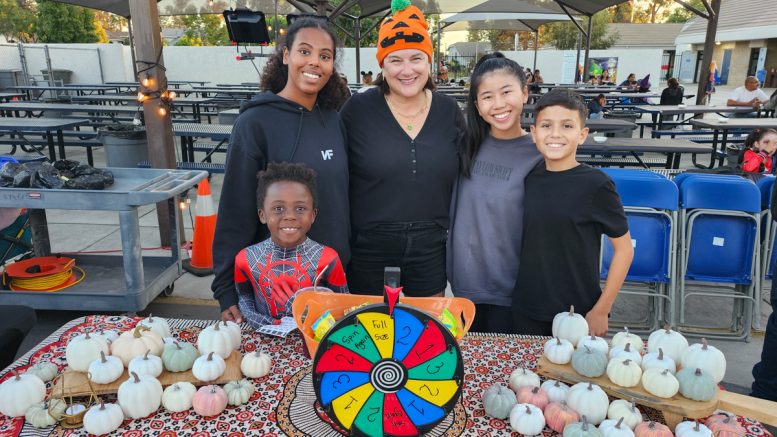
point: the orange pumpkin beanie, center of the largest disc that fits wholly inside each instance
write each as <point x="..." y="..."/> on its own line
<point x="405" y="29"/>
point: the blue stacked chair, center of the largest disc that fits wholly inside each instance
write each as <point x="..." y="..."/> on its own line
<point x="651" y="202"/>
<point x="719" y="244"/>
<point x="768" y="254"/>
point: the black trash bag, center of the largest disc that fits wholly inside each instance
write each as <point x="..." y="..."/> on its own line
<point x="66" y="167"/>
<point x="86" y="182"/>
<point x="8" y="171"/>
<point x="22" y="179"/>
<point x="108" y="176"/>
<point x="83" y="170"/>
<point x="47" y="177"/>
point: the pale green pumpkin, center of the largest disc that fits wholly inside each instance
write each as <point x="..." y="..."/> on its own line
<point x="498" y="400"/>
<point x="589" y="362"/>
<point x="581" y="429"/>
<point x="239" y="392"/>
<point x="179" y="357"/>
<point x="696" y="384"/>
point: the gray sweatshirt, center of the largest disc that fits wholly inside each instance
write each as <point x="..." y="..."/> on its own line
<point x="484" y="240"/>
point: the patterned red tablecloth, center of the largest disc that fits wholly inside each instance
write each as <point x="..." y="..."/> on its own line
<point x="284" y="402"/>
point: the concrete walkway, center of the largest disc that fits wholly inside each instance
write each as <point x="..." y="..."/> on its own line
<point x="84" y="231"/>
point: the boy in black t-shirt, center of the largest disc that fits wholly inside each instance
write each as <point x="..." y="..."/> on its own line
<point x="567" y="208"/>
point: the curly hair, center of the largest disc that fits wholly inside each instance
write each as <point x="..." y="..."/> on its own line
<point x="289" y="172"/>
<point x="275" y="75"/>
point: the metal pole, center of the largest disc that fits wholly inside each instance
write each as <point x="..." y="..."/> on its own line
<point x="709" y="47"/>
<point x="437" y="58"/>
<point x="587" y="48"/>
<point x="23" y="61"/>
<point x="536" y="46"/>
<point x="321" y="7"/>
<point x="48" y="65"/>
<point x="100" y="64"/>
<point x="577" y="57"/>
<point x="132" y="49"/>
<point x="357" y="40"/>
<point x="275" y="24"/>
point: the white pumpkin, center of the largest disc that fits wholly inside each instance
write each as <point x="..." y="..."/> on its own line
<point x="217" y="340"/>
<point x="558" y="350"/>
<point x="140" y="395"/>
<point x="45" y="370"/>
<point x="589" y="400"/>
<point x="661" y="383"/>
<point x="623" y="337"/>
<point x="178" y="397"/>
<point x="83" y="349"/>
<point x="105" y="369"/>
<point x="658" y="360"/>
<point x="103" y="419"/>
<point x="527" y="419"/>
<point x="498" y="401"/>
<point x="137" y="342"/>
<point x="692" y="428"/>
<point x="209" y="367"/>
<point x="556" y="390"/>
<point x="239" y="392"/>
<point x="705" y="357"/>
<point x="626" y="352"/>
<point x="158" y="325"/>
<point x="147" y="364"/>
<point x="256" y="364"/>
<point x="626" y="410"/>
<point x="108" y="335"/>
<point x="19" y="393"/>
<point x="45" y="414"/>
<point x="595" y="343"/>
<point x="672" y="342"/>
<point x="625" y="373"/>
<point x="521" y="377"/>
<point x="234" y="332"/>
<point x="169" y="340"/>
<point x="569" y="325"/>
<point x="615" y="428"/>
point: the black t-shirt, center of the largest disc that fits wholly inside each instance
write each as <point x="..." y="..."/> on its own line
<point x="565" y="215"/>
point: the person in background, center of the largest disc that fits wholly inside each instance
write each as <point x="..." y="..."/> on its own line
<point x="487" y="204"/>
<point x="673" y="94"/>
<point x="529" y="76"/>
<point x="366" y="81"/>
<point x="712" y="80"/>
<point x="269" y="274"/>
<point x="597" y="107"/>
<point x="748" y="95"/>
<point x="538" y="78"/>
<point x="567" y="208"/>
<point x="605" y="78"/>
<point x="631" y="81"/>
<point x="403" y="147"/>
<point x="757" y="156"/>
<point x="294" y="119"/>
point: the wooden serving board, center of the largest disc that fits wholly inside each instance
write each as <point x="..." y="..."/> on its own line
<point x="675" y="408"/>
<point x="76" y="384"/>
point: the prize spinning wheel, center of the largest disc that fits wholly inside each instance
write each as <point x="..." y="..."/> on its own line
<point x="388" y="370"/>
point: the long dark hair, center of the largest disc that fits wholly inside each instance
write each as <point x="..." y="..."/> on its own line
<point x="756" y="136"/>
<point x="275" y="75"/>
<point x="477" y="128"/>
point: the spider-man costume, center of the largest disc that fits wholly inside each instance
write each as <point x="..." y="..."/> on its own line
<point x="259" y="267"/>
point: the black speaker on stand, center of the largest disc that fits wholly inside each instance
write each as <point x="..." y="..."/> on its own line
<point x="245" y="26"/>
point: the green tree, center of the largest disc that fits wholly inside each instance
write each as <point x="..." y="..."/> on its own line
<point x="16" y="20"/>
<point x="681" y="15"/>
<point x="203" y="30"/>
<point x="61" y="23"/>
<point x="563" y="35"/>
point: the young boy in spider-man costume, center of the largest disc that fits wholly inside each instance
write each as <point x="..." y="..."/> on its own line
<point x="269" y="274"/>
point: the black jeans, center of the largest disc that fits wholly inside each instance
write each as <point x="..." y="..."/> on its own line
<point x="417" y="248"/>
<point x="15" y="322"/>
<point x="526" y="326"/>
<point x="493" y="318"/>
<point x="765" y="372"/>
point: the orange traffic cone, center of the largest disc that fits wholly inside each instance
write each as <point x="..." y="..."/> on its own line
<point x="201" y="261"/>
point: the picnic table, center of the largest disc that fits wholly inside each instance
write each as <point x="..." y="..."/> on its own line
<point x="194" y="102"/>
<point x="659" y="111"/>
<point x="189" y="131"/>
<point x="174" y="83"/>
<point x="600" y="125"/>
<point x="284" y="402"/>
<point x="724" y="126"/>
<point x="672" y="148"/>
<point x="51" y="127"/>
<point x="94" y="112"/>
<point x="4" y="97"/>
<point x="79" y="89"/>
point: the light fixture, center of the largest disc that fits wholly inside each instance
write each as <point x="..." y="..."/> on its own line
<point x="162" y="110"/>
<point x="717" y="43"/>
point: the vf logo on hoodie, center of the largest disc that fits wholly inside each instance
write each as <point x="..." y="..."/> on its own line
<point x="327" y="154"/>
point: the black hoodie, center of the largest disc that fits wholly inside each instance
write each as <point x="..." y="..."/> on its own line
<point x="273" y="129"/>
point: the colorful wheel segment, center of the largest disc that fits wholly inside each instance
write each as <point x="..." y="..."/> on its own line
<point x="396" y="374"/>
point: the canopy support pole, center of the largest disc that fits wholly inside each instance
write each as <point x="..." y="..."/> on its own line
<point x="709" y="47"/>
<point x="587" y="48"/>
<point x="536" y="46"/>
<point x="357" y="39"/>
<point x="132" y="48"/>
<point x="159" y="127"/>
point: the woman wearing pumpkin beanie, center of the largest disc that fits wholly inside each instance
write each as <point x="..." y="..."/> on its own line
<point x="403" y="141"/>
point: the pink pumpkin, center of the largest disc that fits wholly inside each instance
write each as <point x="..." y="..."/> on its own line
<point x="723" y="425"/>
<point x="529" y="394"/>
<point x="652" y="429"/>
<point x="558" y="415"/>
<point x="209" y="400"/>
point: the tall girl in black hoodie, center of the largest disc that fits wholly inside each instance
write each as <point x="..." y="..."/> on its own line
<point x="295" y="119"/>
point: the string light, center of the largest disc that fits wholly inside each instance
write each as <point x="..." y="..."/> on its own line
<point x="182" y="205"/>
<point x="162" y="110"/>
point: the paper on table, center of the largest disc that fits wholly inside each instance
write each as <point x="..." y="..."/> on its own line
<point x="280" y="330"/>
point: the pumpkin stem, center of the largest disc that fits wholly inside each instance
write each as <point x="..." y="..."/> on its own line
<point x="697" y="372"/>
<point x="177" y="345"/>
<point x="618" y="425"/>
<point x="727" y="419"/>
<point x="16" y="375"/>
<point x="210" y="356"/>
<point x="102" y="357"/>
<point x="696" y="427"/>
<point x="145" y="357"/>
<point x="558" y="341"/>
<point x="528" y="410"/>
<point x="102" y="405"/>
<point x="667" y="328"/>
<point x="660" y="354"/>
<point x="139" y="330"/>
<point x="557" y="384"/>
<point x="216" y="328"/>
<point x="87" y="337"/>
<point x="135" y="375"/>
<point x="626" y="328"/>
<point x="535" y="390"/>
<point x="704" y="344"/>
<point x="585" y="423"/>
<point x="150" y="318"/>
<point x="571" y="310"/>
<point x="590" y="385"/>
<point x="627" y="348"/>
<point x="633" y="405"/>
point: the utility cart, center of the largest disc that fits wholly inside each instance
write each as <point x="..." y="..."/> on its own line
<point x="112" y="283"/>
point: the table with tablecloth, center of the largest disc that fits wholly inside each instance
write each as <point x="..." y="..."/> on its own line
<point x="284" y="402"/>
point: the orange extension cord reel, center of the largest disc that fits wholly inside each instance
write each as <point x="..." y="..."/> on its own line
<point x="47" y="273"/>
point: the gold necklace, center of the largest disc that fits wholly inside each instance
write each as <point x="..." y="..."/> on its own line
<point x="409" y="119"/>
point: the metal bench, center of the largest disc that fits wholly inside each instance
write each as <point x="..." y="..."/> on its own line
<point x="206" y="166"/>
<point x="605" y="161"/>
